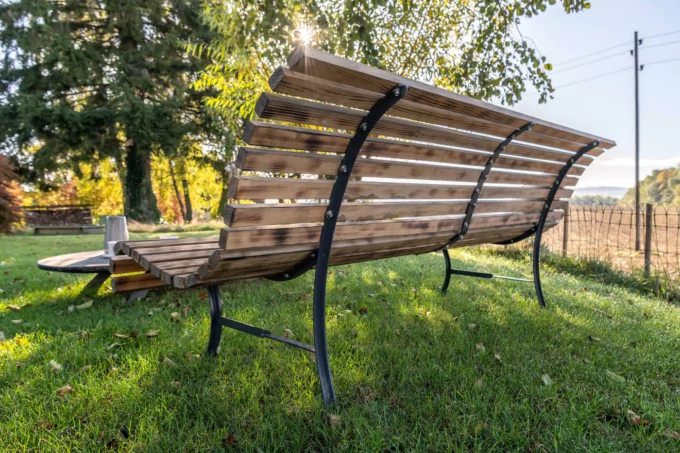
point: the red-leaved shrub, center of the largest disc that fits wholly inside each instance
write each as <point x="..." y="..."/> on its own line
<point x="9" y="204"/>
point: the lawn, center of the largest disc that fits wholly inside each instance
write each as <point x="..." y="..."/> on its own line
<point x="481" y="368"/>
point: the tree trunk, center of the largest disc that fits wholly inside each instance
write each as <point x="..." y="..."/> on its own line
<point x="140" y="201"/>
<point x="173" y="178"/>
<point x="188" y="210"/>
<point x="225" y="174"/>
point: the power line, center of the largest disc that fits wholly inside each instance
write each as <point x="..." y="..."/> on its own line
<point x="592" y="54"/>
<point x="661" y="44"/>
<point x="588" y="79"/>
<point x="661" y="34"/>
<point x="590" y="62"/>
<point x="659" y="62"/>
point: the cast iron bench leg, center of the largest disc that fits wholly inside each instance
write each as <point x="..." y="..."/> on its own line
<point x="215" y="316"/>
<point x="447" y="277"/>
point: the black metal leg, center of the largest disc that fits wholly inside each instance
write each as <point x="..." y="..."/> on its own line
<point x="138" y="295"/>
<point x="447" y="277"/>
<point x="215" y="316"/>
<point x="537" y="266"/>
<point x="320" y="344"/>
<point x="96" y="283"/>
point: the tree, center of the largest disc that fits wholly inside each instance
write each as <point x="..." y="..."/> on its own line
<point x="9" y="203"/>
<point x="84" y="80"/>
<point x="474" y="48"/>
<point x="661" y="187"/>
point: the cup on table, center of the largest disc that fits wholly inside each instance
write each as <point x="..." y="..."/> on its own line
<point x="111" y="245"/>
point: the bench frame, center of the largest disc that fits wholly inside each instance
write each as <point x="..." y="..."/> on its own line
<point x="320" y="257"/>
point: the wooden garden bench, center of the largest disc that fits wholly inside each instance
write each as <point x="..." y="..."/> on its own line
<point x="379" y="166"/>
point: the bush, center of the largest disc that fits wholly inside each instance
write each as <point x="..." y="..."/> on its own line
<point x="9" y="202"/>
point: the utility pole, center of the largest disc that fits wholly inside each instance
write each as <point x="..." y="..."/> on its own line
<point x="637" y="147"/>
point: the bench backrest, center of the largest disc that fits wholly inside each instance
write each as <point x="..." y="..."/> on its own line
<point x="57" y="215"/>
<point x="415" y="175"/>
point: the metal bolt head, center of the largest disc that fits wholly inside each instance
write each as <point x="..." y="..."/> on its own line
<point x="396" y="91"/>
<point x="343" y="168"/>
<point x="546" y="206"/>
<point x="313" y="255"/>
<point x="462" y="236"/>
<point x="363" y="127"/>
<point x="329" y="214"/>
<point x="477" y="190"/>
<point x="286" y="275"/>
<point x="491" y="162"/>
<point x="486" y="176"/>
<point x="474" y="205"/>
<point x="502" y="149"/>
<point x="465" y="225"/>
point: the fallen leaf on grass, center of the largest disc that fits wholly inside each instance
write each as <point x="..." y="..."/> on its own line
<point x="120" y="335"/>
<point x="202" y="296"/>
<point x="546" y="379"/>
<point x="481" y="427"/>
<point x="363" y="310"/>
<point x="13" y="307"/>
<point x="17" y="321"/>
<point x="304" y="297"/>
<point x="229" y="441"/>
<point x="312" y="356"/>
<point x="594" y="339"/>
<point x="114" y="345"/>
<point x="615" y="377"/>
<point x="18" y="364"/>
<point x="87" y="304"/>
<point x="65" y="390"/>
<point x="185" y="310"/>
<point x="497" y="356"/>
<point x="288" y="333"/>
<point x="176" y="384"/>
<point x="333" y="419"/>
<point x="672" y="434"/>
<point x="84" y="335"/>
<point x="479" y="383"/>
<point x="152" y="333"/>
<point x="175" y="317"/>
<point x="635" y="419"/>
<point x="192" y="356"/>
<point x="45" y="425"/>
<point x="396" y="332"/>
<point x="54" y="366"/>
<point x="344" y="313"/>
<point x="169" y="362"/>
<point x="480" y="347"/>
<point x="85" y="369"/>
<point x="472" y="326"/>
<point x="2" y="336"/>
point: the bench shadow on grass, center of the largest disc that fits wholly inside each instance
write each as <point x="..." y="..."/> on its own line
<point x="416" y="364"/>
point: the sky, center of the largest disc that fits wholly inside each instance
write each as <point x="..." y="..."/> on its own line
<point x="606" y="106"/>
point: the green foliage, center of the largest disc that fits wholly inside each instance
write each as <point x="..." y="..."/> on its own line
<point x="594" y="200"/>
<point x="81" y="78"/>
<point x="474" y="48"/>
<point x="661" y="187"/>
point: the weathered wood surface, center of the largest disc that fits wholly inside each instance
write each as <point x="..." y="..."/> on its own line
<point x="242" y="215"/>
<point x="135" y="282"/>
<point x="329" y="67"/>
<point x="253" y="188"/>
<point x="294" y="110"/>
<point x="275" y="135"/>
<point x="276" y="236"/>
<point x="285" y="81"/>
<point x="77" y="263"/>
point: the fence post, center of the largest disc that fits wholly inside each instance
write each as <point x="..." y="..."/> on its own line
<point x="565" y="236"/>
<point x="649" y="212"/>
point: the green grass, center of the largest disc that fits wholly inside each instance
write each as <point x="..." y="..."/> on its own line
<point x="416" y="372"/>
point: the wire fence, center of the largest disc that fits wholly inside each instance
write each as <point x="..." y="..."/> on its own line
<point x="607" y="233"/>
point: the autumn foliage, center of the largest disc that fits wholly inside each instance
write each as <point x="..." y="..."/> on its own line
<point x="9" y="200"/>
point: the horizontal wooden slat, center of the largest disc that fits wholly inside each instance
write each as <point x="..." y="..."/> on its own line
<point x="265" y="160"/>
<point x="123" y="265"/>
<point x="275" y="135"/>
<point x="135" y="283"/>
<point x="149" y="261"/>
<point x="167" y="267"/>
<point x="285" y="81"/>
<point x="126" y="246"/>
<point x="241" y="215"/>
<point x="139" y="252"/>
<point x="294" y="110"/>
<point x="247" y="188"/>
<point x="266" y="236"/>
<point x="319" y="64"/>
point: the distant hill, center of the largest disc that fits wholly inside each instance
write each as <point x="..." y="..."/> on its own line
<point x="605" y="191"/>
<point x="662" y="186"/>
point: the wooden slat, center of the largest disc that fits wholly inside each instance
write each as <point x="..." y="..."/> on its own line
<point x="247" y="188"/>
<point x="265" y="160"/>
<point x="125" y="247"/>
<point x="149" y="261"/>
<point x="269" y="236"/>
<point x="319" y="64"/>
<point x="159" y="269"/>
<point x="139" y="252"/>
<point x="242" y="215"/>
<point x="294" y="110"/>
<point x="275" y="135"/>
<point x="123" y="265"/>
<point x="135" y="283"/>
<point x="285" y="81"/>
